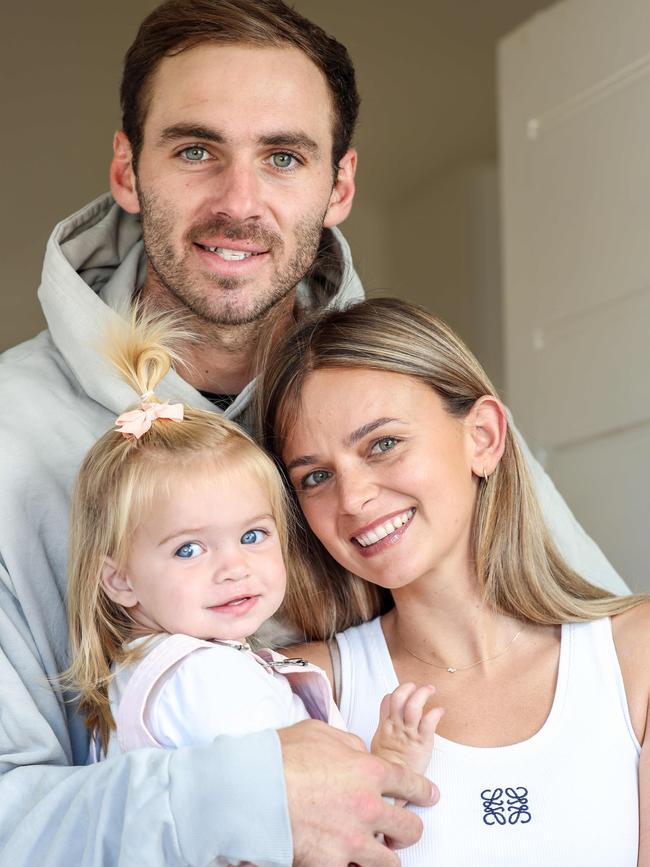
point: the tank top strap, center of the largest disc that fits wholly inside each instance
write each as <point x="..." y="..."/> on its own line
<point x="595" y="675"/>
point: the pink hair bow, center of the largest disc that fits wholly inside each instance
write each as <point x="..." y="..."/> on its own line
<point x="137" y="422"/>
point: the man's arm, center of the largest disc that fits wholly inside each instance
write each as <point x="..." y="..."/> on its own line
<point x="185" y="806"/>
<point x="335" y="788"/>
<point x="155" y="807"/>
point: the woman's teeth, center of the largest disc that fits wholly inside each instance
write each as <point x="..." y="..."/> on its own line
<point x="383" y="530"/>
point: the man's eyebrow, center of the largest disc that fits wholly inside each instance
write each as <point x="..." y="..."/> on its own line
<point x="178" y="131"/>
<point x="352" y="439"/>
<point x="297" y="140"/>
<point x="192" y="131"/>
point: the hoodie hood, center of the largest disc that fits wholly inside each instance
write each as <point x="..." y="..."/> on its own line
<point x="94" y="262"/>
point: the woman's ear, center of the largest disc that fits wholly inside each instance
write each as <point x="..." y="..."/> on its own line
<point x="117" y="585"/>
<point x="122" y="175"/>
<point x="487" y="424"/>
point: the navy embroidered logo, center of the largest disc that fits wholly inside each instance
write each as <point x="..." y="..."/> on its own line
<point x="506" y="806"/>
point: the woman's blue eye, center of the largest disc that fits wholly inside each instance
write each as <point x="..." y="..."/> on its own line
<point x="194" y="154"/>
<point x="188" y="550"/>
<point x="316" y="478"/>
<point x="282" y="161"/>
<point x="253" y="537"/>
<point x="385" y="444"/>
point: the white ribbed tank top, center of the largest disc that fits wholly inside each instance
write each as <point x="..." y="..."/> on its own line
<point x="566" y="797"/>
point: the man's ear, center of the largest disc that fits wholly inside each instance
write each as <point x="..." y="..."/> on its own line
<point x="116" y="585"/>
<point x="342" y="195"/>
<point x="487" y="425"/>
<point x="122" y="175"/>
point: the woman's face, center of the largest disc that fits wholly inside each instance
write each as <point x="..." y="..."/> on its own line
<point x="384" y="475"/>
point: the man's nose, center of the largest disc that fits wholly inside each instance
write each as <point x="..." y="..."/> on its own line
<point x="356" y="488"/>
<point x="238" y="192"/>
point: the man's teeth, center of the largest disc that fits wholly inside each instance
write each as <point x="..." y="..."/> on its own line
<point x="230" y="255"/>
<point x="383" y="530"/>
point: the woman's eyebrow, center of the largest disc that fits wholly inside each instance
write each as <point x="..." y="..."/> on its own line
<point x="365" y="429"/>
<point x="352" y="439"/>
<point x="304" y="461"/>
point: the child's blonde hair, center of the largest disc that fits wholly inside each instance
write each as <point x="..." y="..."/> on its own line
<point x="118" y="481"/>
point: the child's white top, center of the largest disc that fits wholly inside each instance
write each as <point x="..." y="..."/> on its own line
<point x="187" y="692"/>
<point x="566" y="797"/>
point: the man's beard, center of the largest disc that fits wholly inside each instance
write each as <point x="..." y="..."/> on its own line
<point x="193" y="287"/>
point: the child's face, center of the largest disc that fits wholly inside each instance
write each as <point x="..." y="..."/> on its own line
<point x="205" y="560"/>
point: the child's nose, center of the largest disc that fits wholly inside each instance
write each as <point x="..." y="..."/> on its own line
<point x="231" y="567"/>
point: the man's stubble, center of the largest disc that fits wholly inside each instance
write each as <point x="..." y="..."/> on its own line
<point x="212" y="298"/>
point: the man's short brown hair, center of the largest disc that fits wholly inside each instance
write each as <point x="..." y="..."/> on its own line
<point x="177" y="25"/>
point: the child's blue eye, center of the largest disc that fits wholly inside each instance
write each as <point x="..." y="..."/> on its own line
<point x="253" y="537"/>
<point x="188" y="550"/>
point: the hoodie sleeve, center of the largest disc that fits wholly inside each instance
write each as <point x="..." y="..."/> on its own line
<point x="576" y="546"/>
<point x="149" y="807"/>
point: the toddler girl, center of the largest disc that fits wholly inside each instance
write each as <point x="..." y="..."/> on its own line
<point x="178" y="545"/>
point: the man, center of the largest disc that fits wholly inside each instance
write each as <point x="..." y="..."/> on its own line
<point x="234" y="163"/>
<point x="230" y="174"/>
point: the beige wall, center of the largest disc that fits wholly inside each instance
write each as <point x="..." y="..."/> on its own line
<point x="445" y="255"/>
<point x="59" y="78"/>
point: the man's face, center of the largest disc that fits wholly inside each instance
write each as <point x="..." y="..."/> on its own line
<point x="235" y="179"/>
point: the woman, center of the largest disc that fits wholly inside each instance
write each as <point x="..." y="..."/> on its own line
<point x="425" y="549"/>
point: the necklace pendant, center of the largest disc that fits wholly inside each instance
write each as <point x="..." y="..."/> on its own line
<point x="451" y="670"/>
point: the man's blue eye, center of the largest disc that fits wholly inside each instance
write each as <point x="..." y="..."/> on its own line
<point x="316" y="478"/>
<point x="283" y="160"/>
<point x="194" y="154"/>
<point x="188" y="550"/>
<point x="253" y="537"/>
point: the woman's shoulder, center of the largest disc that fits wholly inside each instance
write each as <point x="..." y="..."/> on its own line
<point x="316" y="652"/>
<point x="631" y="633"/>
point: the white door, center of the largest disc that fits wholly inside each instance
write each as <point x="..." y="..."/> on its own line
<point x="574" y="96"/>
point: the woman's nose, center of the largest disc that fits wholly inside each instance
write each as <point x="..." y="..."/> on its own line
<point x="356" y="488"/>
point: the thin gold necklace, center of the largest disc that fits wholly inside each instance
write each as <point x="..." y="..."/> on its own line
<point x="450" y="668"/>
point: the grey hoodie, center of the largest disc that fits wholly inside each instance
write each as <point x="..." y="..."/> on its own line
<point x="58" y="395"/>
<point x="148" y="807"/>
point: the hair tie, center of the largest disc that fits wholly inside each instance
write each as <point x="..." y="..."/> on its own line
<point x="137" y="422"/>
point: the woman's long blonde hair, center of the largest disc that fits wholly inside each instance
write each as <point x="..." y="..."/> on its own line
<point x="117" y="482"/>
<point x="520" y="571"/>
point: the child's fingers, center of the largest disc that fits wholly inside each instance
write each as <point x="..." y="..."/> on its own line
<point x="397" y="699"/>
<point x="429" y="722"/>
<point x="384" y="708"/>
<point x="414" y="705"/>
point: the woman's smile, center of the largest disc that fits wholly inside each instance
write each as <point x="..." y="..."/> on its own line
<point x="384" y="532"/>
<point x="383" y="474"/>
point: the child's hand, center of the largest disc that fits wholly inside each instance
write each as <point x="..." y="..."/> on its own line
<point x="405" y="732"/>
